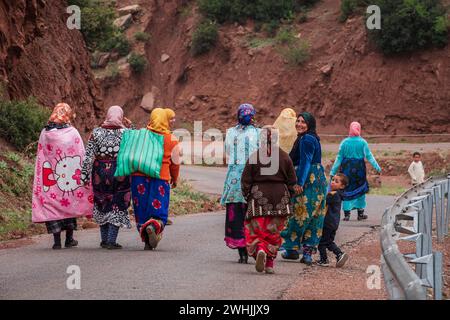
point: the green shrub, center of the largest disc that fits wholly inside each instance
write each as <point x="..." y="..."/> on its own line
<point x="141" y="36"/>
<point x="97" y="24"/>
<point x="348" y="7"/>
<point x="138" y="62"/>
<point x="118" y="43"/>
<point x="408" y="25"/>
<point x="259" y="10"/>
<point x="271" y="28"/>
<point x="285" y="36"/>
<point x="204" y="38"/>
<point x="22" y="121"/>
<point x="296" y="54"/>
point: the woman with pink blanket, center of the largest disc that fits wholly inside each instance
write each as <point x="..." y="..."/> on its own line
<point x="59" y="196"/>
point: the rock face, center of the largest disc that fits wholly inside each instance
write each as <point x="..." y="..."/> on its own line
<point x="133" y="9"/>
<point x="124" y="22"/>
<point x="346" y="78"/>
<point x="41" y="57"/>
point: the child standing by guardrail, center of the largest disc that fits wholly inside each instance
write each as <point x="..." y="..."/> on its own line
<point x="415" y="169"/>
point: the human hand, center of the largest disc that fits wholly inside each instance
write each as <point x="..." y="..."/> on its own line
<point x="173" y="184"/>
<point x="298" y="189"/>
<point x="126" y="122"/>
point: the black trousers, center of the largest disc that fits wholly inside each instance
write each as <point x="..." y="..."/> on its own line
<point x="327" y="242"/>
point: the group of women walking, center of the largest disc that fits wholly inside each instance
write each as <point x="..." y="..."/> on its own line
<point x="71" y="181"/>
<point x="285" y="210"/>
<point x="265" y="212"/>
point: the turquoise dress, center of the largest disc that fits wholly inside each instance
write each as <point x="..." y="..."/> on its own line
<point x="350" y="160"/>
<point x="240" y="142"/>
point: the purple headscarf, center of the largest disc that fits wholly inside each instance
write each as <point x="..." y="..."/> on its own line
<point x="246" y="112"/>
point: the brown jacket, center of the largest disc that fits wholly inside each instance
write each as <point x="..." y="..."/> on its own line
<point x="269" y="195"/>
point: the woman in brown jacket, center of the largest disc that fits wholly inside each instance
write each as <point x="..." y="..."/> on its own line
<point x="268" y="197"/>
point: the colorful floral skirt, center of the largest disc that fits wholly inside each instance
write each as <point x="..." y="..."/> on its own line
<point x="151" y="198"/>
<point x="111" y="195"/>
<point x="263" y="233"/>
<point x="234" y="225"/>
<point x="304" y="228"/>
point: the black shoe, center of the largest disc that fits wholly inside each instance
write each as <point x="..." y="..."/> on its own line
<point x="56" y="246"/>
<point x="362" y="217"/>
<point x="148" y="247"/>
<point x="71" y="243"/>
<point x="341" y="259"/>
<point x="347" y="218"/>
<point x="243" y="256"/>
<point x="103" y="244"/>
<point x="323" y="263"/>
<point x="113" y="246"/>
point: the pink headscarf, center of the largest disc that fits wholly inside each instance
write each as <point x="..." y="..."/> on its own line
<point x="114" y="117"/>
<point x="355" y="129"/>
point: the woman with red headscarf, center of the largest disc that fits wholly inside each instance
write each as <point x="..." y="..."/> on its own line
<point x="350" y="161"/>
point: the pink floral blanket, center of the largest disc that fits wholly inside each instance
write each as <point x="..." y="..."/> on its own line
<point x="58" y="192"/>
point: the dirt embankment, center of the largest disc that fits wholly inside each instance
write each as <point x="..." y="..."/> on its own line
<point x="404" y="94"/>
<point x="41" y="57"/>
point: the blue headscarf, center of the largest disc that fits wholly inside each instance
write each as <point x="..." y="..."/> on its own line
<point x="246" y="112"/>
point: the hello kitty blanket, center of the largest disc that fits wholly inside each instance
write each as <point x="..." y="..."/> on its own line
<point x="58" y="192"/>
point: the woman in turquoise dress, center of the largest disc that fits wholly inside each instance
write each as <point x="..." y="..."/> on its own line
<point x="304" y="228"/>
<point x="240" y="142"/>
<point x="351" y="161"/>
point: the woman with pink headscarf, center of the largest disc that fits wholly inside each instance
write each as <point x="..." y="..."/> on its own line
<point x="111" y="194"/>
<point x="351" y="161"/>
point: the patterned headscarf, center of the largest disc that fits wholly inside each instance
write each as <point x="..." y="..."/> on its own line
<point x="62" y="114"/>
<point x="160" y="120"/>
<point x="246" y="112"/>
<point x="114" y="117"/>
<point x="355" y="129"/>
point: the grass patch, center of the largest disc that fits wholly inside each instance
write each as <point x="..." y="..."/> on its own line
<point x="16" y="224"/>
<point x="254" y="42"/>
<point x="387" y="190"/>
<point x="16" y="179"/>
<point x="184" y="200"/>
<point x="296" y="54"/>
<point x="16" y="175"/>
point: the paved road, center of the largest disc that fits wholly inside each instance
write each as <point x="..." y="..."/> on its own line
<point x="191" y="261"/>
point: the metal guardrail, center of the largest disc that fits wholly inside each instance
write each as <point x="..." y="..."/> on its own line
<point x="411" y="219"/>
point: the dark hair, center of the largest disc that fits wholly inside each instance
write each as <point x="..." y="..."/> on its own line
<point x="344" y="179"/>
<point x="416" y="154"/>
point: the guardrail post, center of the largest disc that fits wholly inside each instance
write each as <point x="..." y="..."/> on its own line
<point x="437" y="275"/>
<point x="447" y="214"/>
<point x="437" y="208"/>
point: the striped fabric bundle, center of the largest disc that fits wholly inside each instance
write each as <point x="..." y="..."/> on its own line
<point x="140" y="151"/>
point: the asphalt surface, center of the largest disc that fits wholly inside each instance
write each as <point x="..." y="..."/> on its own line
<point x="191" y="261"/>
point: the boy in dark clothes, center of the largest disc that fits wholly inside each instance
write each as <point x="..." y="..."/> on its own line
<point x="331" y="223"/>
